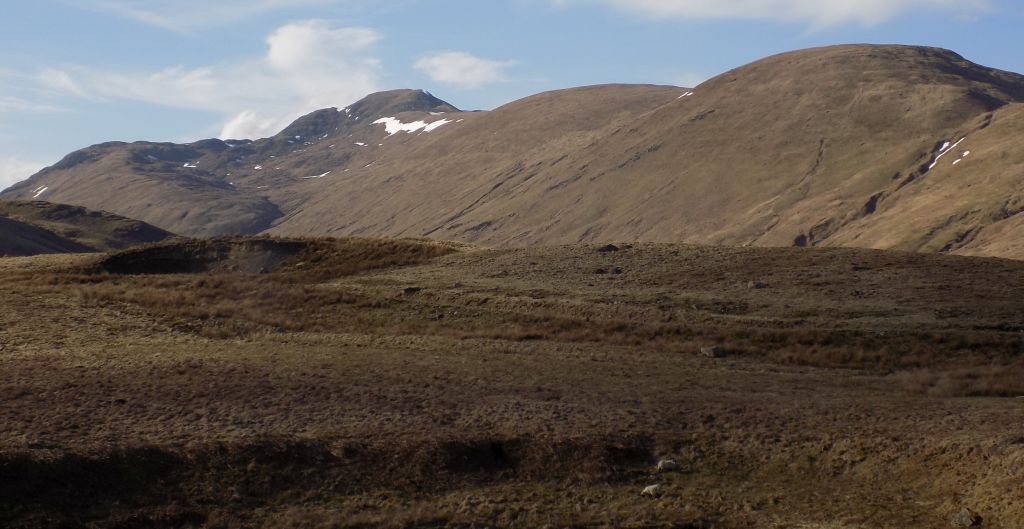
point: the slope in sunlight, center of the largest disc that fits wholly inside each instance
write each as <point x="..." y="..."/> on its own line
<point x="869" y="146"/>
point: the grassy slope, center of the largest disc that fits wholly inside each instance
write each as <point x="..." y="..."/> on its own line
<point x="96" y="230"/>
<point x="21" y="239"/>
<point x="824" y="146"/>
<point x="516" y="388"/>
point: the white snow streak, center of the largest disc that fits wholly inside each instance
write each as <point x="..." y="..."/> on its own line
<point x="946" y="148"/>
<point x="39" y="191"/>
<point x="393" y="126"/>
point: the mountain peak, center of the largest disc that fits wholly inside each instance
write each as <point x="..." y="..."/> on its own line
<point x="396" y="101"/>
<point x="371" y="107"/>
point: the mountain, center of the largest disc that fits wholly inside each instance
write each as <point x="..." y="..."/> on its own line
<point x="215" y="187"/>
<point x="30" y="228"/>
<point x="901" y="147"/>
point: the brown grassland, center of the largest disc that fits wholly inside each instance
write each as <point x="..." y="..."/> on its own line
<point x="355" y="383"/>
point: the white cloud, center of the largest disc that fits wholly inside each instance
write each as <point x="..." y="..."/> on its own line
<point x="17" y="104"/>
<point x="818" y="12"/>
<point x="14" y="169"/>
<point x="308" y="65"/>
<point x="185" y="16"/>
<point x="59" y="81"/>
<point x="462" y="69"/>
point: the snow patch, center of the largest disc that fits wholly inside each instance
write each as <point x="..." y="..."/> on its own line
<point x="393" y="126"/>
<point x="946" y="148"/>
<point x="686" y="94"/>
<point x="963" y="155"/>
<point x="361" y="144"/>
<point x="192" y="165"/>
<point x="436" y="125"/>
<point x="258" y="168"/>
<point x="39" y="191"/>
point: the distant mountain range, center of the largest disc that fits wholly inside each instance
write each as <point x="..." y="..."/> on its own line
<point x="895" y="147"/>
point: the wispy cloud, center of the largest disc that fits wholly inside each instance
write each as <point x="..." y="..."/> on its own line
<point x="185" y="16"/>
<point x="821" y="13"/>
<point x="17" y="104"/>
<point x="308" y="65"/>
<point x="14" y="169"/>
<point x="462" y="69"/>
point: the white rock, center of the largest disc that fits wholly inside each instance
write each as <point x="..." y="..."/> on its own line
<point x="652" y="491"/>
<point x="667" y="465"/>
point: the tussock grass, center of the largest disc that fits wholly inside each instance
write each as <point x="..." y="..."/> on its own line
<point x="363" y="383"/>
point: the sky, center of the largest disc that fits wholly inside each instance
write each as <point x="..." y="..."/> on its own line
<point x="74" y="73"/>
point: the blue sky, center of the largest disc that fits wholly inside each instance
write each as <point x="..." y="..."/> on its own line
<point x="79" y="72"/>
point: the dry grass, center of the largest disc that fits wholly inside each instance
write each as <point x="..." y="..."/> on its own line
<point x="362" y="383"/>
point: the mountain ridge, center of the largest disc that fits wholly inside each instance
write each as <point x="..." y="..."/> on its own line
<point x="872" y="146"/>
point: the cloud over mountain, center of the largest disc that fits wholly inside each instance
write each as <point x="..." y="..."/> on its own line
<point x="308" y="64"/>
<point x="462" y="69"/>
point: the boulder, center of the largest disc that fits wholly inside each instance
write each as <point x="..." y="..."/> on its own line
<point x="652" y="491"/>
<point x="714" y="351"/>
<point x="967" y="518"/>
<point x="667" y="465"/>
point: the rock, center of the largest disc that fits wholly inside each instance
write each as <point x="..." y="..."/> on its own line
<point x="755" y="284"/>
<point x="411" y="290"/>
<point x="608" y="248"/>
<point x="714" y="351"/>
<point x="967" y="518"/>
<point x="652" y="491"/>
<point x="667" y="465"/>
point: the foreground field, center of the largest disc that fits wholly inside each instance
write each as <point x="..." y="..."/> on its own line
<point x="358" y="383"/>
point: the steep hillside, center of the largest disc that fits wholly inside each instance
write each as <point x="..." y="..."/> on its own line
<point x="31" y="228"/>
<point x="831" y="146"/>
<point x="871" y="146"/>
<point x="214" y="187"/>
<point x="20" y="239"/>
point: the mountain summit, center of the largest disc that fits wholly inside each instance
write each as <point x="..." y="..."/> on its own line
<point x="900" y="147"/>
